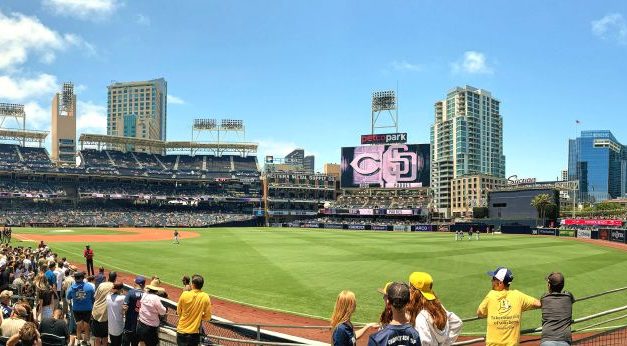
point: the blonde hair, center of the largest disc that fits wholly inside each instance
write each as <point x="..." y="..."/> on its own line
<point x="344" y="307"/>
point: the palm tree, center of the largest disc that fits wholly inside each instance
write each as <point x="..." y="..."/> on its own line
<point x="541" y="202"/>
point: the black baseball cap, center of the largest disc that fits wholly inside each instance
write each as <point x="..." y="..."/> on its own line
<point x="398" y="294"/>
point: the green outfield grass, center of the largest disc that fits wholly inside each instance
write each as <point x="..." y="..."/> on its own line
<point x="303" y="270"/>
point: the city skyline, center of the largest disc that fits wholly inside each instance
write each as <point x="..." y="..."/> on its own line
<point x="302" y="76"/>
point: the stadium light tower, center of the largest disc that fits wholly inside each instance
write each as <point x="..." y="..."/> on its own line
<point x="218" y="130"/>
<point x="384" y="102"/>
<point x="13" y="111"/>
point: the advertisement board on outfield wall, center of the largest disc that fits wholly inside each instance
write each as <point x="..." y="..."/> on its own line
<point x="333" y="225"/>
<point x="567" y="233"/>
<point x="604" y="234"/>
<point x="592" y="222"/>
<point x="545" y="231"/>
<point x="379" y="228"/>
<point x="617" y="235"/>
<point x="356" y="226"/>
<point x="386" y="166"/>
<point x="422" y="228"/>
<point x="584" y="233"/>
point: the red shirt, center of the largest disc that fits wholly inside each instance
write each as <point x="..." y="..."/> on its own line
<point x="88" y="254"/>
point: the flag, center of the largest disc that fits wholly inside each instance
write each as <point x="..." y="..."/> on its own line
<point x="577" y="121"/>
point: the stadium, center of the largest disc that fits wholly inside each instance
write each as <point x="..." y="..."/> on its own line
<point x="277" y="244"/>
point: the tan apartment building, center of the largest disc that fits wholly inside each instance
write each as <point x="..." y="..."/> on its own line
<point x="138" y="109"/>
<point x="471" y="191"/>
<point x="332" y="169"/>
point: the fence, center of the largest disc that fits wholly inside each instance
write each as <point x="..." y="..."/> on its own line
<point x="615" y="336"/>
<point x="222" y="332"/>
<point x="219" y="331"/>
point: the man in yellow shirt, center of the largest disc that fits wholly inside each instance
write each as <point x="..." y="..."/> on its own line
<point x="503" y="308"/>
<point x="193" y="307"/>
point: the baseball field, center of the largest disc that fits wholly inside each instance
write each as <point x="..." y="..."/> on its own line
<point x="302" y="271"/>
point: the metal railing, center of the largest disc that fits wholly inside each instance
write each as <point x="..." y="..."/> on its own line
<point x="609" y="337"/>
<point x="219" y="331"/>
<point x="222" y="332"/>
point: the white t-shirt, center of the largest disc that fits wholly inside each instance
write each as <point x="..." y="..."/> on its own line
<point x="115" y="314"/>
<point x="60" y="277"/>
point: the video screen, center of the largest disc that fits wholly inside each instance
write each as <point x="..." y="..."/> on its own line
<point x="394" y="166"/>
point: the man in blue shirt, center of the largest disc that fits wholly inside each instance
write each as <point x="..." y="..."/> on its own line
<point x="132" y="303"/>
<point x="82" y="296"/>
<point x="52" y="279"/>
<point x="399" y="331"/>
<point x="100" y="277"/>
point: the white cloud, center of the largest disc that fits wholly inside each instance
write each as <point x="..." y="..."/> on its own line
<point x="406" y="66"/>
<point x="175" y="100"/>
<point x="37" y="117"/>
<point x="275" y="148"/>
<point x="473" y="63"/>
<point x="83" y="9"/>
<point x="142" y="20"/>
<point x="611" y="27"/>
<point x="18" y="89"/>
<point x="29" y="36"/>
<point x="91" y="118"/>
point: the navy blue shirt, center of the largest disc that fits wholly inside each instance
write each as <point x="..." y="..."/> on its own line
<point x="100" y="278"/>
<point x="133" y="302"/>
<point x="395" y="335"/>
<point x="344" y="335"/>
<point x="6" y="311"/>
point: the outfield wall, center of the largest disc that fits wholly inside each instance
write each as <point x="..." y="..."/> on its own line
<point x="614" y="235"/>
<point x="360" y="227"/>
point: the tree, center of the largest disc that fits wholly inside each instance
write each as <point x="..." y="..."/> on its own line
<point x="541" y="202"/>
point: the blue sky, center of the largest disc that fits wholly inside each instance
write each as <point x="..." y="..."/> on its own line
<point x="301" y="73"/>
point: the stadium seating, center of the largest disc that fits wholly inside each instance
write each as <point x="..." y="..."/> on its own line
<point x="35" y="157"/>
<point x="9" y="154"/>
<point x="124" y="160"/>
<point x="111" y="217"/>
<point x="168" y="161"/>
<point x="190" y="163"/>
<point x="245" y="164"/>
<point x="219" y="163"/>
<point x="149" y="161"/>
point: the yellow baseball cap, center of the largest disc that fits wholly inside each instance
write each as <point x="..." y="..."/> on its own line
<point x="424" y="283"/>
<point x="385" y="288"/>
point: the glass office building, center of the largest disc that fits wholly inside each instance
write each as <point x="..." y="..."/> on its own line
<point x="599" y="162"/>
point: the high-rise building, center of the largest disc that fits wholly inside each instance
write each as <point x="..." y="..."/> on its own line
<point x="466" y="139"/>
<point x="599" y="162"/>
<point x="296" y="157"/>
<point x="332" y="169"/>
<point x="138" y="109"/>
<point x="309" y="163"/>
<point x="564" y="175"/>
<point x="63" y="127"/>
<point x="471" y="191"/>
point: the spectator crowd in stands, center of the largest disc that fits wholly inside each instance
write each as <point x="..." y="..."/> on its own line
<point x="360" y="221"/>
<point x="393" y="199"/>
<point x="44" y="300"/>
<point x="114" y="218"/>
